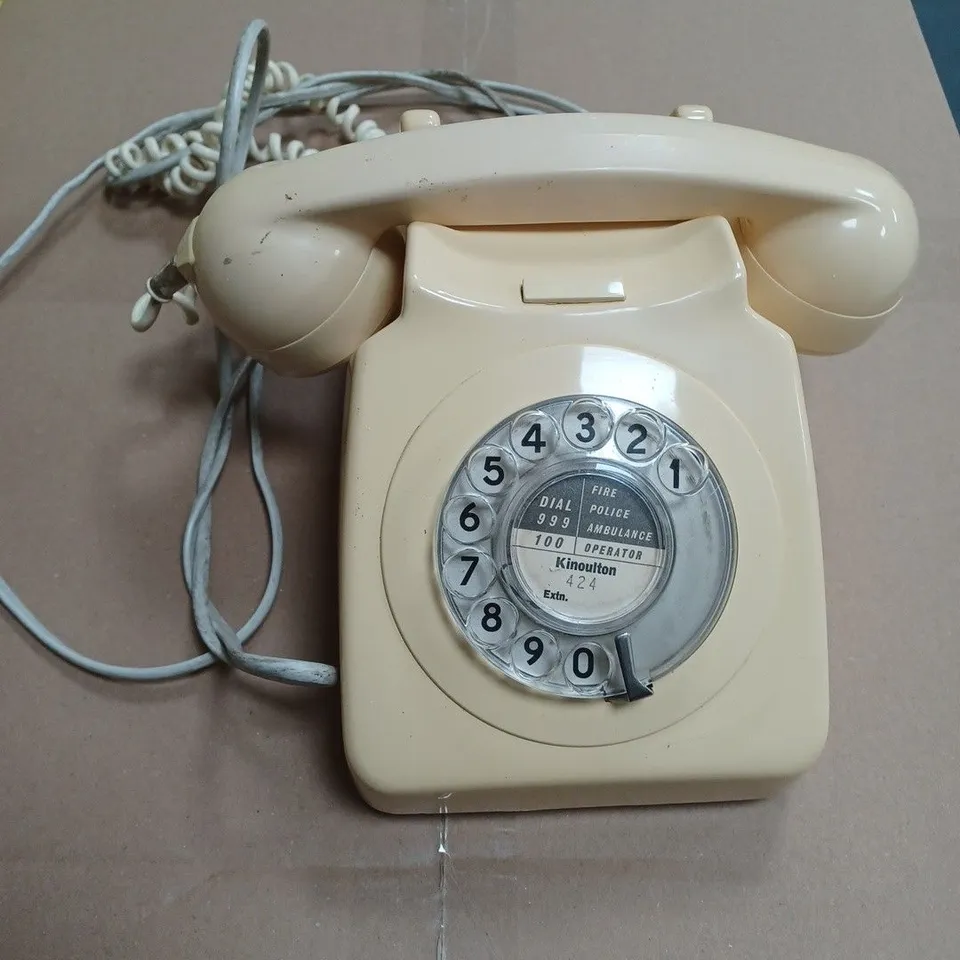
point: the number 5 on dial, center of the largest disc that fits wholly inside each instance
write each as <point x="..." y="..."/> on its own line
<point x="491" y="469"/>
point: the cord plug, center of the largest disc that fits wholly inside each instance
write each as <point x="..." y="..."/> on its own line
<point x="169" y="284"/>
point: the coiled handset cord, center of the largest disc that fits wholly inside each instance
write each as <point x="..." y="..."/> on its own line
<point x="182" y="156"/>
<point x="197" y="150"/>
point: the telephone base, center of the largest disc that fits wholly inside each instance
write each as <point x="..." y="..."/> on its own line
<point x="749" y="742"/>
<point x="574" y="797"/>
<point x="433" y="719"/>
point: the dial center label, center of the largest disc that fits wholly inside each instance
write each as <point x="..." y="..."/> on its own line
<point x="587" y="548"/>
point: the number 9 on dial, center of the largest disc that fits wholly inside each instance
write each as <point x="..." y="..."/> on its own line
<point x="535" y="654"/>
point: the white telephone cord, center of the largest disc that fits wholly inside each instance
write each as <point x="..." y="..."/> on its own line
<point x="184" y="155"/>
<point x="198" y="149"/>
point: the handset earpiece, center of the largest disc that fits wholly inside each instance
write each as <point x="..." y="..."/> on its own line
<point x="297" y="293"/>
<point x="829" y="274"/>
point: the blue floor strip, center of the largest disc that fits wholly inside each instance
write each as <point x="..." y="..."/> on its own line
<point x="940" y="22"/>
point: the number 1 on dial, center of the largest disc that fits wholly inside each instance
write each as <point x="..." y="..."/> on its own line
<point x="683" y="469"/>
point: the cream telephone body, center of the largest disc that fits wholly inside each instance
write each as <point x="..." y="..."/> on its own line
<point x="580" y="547"/>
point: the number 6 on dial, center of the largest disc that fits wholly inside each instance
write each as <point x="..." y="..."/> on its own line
<point x="468" y="519"/>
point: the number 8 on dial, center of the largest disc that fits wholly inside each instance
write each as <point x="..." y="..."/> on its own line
<point x="492" y="620"/>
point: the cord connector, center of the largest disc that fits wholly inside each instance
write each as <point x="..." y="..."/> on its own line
<point x="163" y="287"/>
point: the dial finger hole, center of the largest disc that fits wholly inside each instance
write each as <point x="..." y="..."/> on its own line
<point x="639" y="435"/>
<point x="468" y="573"/>
<point x="587" y="665"/>
<point x="587" y="424"/>
<point x="468" y="519"/>
<point x="683" y="468"/>
<point x="534" y="435"/>
<point x="535" y="654"/>
<point x="492" y="621"/>
<point x="491" y="469"/>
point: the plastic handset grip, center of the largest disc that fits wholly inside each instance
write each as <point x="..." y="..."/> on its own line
<point x="297" y="262"/>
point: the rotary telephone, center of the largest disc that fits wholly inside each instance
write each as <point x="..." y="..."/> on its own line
<point x="580" y="549"/>
<point x="580" y="558"/>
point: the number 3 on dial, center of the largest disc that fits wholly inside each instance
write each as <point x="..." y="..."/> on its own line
<point x="587" y="424"/>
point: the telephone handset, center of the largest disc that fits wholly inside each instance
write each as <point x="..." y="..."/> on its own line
<point x="580" y="547"/>
<point x="293" y="263"/>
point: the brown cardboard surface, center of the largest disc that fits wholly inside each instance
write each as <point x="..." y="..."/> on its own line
<point x="214" y="817"/>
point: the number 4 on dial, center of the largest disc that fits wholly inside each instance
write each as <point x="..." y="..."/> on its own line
<point x="534" y="435"/>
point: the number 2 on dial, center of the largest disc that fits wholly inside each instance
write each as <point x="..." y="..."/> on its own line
<point x="635" y="448"/>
